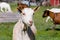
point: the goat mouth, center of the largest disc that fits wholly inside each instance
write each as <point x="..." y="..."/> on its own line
<point x="30" y="24"/>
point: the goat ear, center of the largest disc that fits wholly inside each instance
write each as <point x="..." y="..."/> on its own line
<point x="19" y="4"/>
<point x="35" y="9"/>
<point x="19" y="10"/>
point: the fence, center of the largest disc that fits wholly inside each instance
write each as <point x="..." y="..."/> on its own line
<point x="9" y="17"/>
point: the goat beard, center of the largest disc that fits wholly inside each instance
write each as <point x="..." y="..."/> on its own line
<point x="25" y="27"/>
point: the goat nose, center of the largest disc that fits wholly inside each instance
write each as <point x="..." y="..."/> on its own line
<point x="31" y="22"/>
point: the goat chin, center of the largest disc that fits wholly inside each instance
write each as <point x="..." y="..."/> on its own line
<point x="33" y="28"/>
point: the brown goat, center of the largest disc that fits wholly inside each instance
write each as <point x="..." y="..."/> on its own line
<point x="55" y="17"/>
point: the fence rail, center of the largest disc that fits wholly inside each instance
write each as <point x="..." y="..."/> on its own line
<point x="9" y="17"/>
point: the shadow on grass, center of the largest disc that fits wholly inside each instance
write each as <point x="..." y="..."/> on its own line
<point x="57" y="29"/>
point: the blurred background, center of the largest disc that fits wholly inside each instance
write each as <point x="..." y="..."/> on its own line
<point x="35" y="2"/>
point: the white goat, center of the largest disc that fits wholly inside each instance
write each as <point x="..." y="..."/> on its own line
<point x="6" y="6"/>
<point x="55" y="10"/>
<point x="25" y="29"/>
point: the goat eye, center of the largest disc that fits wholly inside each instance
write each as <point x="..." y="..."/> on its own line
<point x="23" y="13"/>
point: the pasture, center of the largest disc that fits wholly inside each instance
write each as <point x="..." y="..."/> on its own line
<point x="6" y="29"/>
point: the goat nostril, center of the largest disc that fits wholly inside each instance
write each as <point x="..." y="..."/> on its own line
<point x="31" y="22"/>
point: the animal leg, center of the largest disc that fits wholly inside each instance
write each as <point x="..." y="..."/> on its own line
<point x="53" y="27"/>
<point x="47" y="19"/>
<point x="5" y="9"/>
<point x="2" y="10"/>
<point x="9" y="9"/>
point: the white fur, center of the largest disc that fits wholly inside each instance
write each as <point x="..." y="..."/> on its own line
<point x="28" y="15"/>
<point x="55" y="10"/>
<point x="18" y="34"/>
<point x="6" y="6"/>
<point x="48" y="19"/>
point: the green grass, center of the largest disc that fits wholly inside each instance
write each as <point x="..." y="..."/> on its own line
<point x="6" y="29"/>
<point x="13" y="7"/>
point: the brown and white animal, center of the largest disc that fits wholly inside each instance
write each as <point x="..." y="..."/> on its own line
<point x="54" y="15"/>
<point x="55" y="10"/>
<point x="25" y="29"/>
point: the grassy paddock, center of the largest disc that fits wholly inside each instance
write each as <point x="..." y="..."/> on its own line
<point x="6" y="29"/>
<point x="13" y="7"/>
